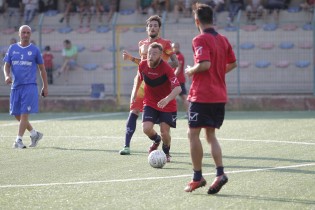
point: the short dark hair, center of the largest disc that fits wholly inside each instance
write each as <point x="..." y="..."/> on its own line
<point x="47" y="48"/>
<point x="67" y="41"/>
<point x="154" y="18"/>
<point x="204" y="13"/>
<point x="156" y="45"/>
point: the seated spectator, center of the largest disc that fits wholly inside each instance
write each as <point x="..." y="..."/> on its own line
<point x="108" y="7"/>
<point x="85" y="11"/>
<point x="274" y="7"/>
<point x="30" y="7"/>
<point x="13" y="12"/>
<point x="4" y="49"/>
<point x="70" y="7"/>
<point x="70" y="55"/>
<point x="161" y="6"/>
<point x="254" y="10"/>
<point x="308" y="7"/>
<point x="48" y="62"/>
<point x="234" y="7"/>
<point x="217" y="6"/>
<point x="182" y="6"/>
<point x="144" y="6"/>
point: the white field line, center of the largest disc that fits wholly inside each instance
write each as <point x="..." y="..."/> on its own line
<point x="67" y="118"/>
<point x="150" y="178"/>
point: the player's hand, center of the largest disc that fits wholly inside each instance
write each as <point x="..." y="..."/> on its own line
<point x="188" y="71"/>
<point x="44" y="92"/>
<point x="126" y="55"/>
<point x="8" y="80"/>
<point x="162" y="103"/>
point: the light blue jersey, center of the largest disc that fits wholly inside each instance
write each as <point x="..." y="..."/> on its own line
<point x="23" y="61"/>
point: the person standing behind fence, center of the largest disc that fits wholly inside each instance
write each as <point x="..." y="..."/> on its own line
<point x="213" y="58"/>
<point x="180" y="74"/>
<point x="48" y="62"/>
<point x="22" y="61"/>
<point x="13" y="13"/>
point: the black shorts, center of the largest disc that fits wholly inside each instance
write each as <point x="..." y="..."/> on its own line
<point x="203" y="115"/>
<point x="184" y="91"/>
<point x="156" y="117"/>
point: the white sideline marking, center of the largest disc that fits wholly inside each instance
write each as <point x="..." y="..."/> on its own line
<point x="150" y="178"/>
<point x="67" y="118"/>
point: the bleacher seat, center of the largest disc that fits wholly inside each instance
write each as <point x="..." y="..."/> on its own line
<point x="80" y="48"/>
<point x="282" y="64"/>
<point x="139" y="29"/>
<point x="65" y="30"/>
<point x="90" y="66"/>
<point x="126" y="12"/>
<point x="302" y="63"/>
<point x="51" y="13"/>
<point x="266" y="45"/>
<point x="294" y="9"/>
<point x="305" y="45"/>
<point x="8" y="31"/>
<point x="286" y="45"/>
<point x="96" y="48"/>
<point x="47" y="30"/>
<point x="108" y="66"/>
<point x="250" y="27"/>
<point x="83" y="30"/>
<point x="262" y="64"/>
<point x="247" y="46"/>
<point x="289" y="27"/>
<point x="270" y="27"/>
<point x="307" y="27"/>
<point x="97" y="90"/>
<point x="244" y="64"/>
<point x="231" y="28"/>
<point x="103" y="29"/>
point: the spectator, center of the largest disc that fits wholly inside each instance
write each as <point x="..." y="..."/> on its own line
<point x="274" y="7"/>
<point x="48" y="63"/>
<point x="144" y="6"/>
<point x="217" y="7"/>
<point x="308" y="7"/>
<point x="85" y="11"/>
<point x="234" y="7"/>
<point x="254" y="10"/>
<point x="70" y="6"/>
<point x="13" y="12"/>
<point x="70" y="55"/>
<point x="161" y="6"/>
<point x="108" y="7"/>
<point x="183" y="6"/>
<point x="4" y="49"/>
<point x="180" y="74"/>
<point x="30" y="7"/>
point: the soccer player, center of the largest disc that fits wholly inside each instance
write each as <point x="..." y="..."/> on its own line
<point x="20" y="68"/>
<point x="153" y="25"/>
<point x="180" y="74"/>
<point x="213" y="58"/>
<point x="160" y="90"/>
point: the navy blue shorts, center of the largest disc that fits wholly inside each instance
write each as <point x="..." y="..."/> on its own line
<point x="203" y="115"/>
<point x="184" y="90"/>
<point x="156" y="117"/>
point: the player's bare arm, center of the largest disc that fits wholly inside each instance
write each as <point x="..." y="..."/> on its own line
<point x="199" y="67"/>
<point x="175" y="92"/>
<point x="7" y="73"/>
<point x="230" y="67"/>
<point x="174" y="61"/>
<point x="43" y="74"/>
<point x="135" y="90"/>
<point x="128" y="56"/>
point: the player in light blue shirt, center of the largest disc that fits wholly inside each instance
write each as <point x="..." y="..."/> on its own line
<point x="22" y="61"/>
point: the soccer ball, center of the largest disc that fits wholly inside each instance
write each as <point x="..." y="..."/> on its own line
<point x="157" y="159"/>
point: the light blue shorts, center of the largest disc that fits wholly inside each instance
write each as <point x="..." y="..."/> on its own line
<point x="24" y="100"/>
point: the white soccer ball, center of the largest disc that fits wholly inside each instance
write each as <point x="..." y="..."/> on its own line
<point x="157" y="159"/>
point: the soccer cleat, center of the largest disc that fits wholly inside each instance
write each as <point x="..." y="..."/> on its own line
<point x="35" y="139"/>
<point x="19" y="144"/>
<point x="153" y="147"/>
<point x="125" y="151"/>
<point x="168" y="158"/>
<point x="217" y="184"/>
<point x="195" y="184"/>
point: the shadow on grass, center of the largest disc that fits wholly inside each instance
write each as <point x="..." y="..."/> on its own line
<point x="272" y="199"/>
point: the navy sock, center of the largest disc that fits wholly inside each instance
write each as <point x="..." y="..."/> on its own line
<point x="197" y="175"/>
<point x="156" y="138"/>
<point x="220" y="170"/>
<point x="166" y="149"/>
<point x="130" y="128"/>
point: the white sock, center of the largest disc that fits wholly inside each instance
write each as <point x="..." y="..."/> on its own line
<point x="33" y="132"/>
<point x="18" y="137"/>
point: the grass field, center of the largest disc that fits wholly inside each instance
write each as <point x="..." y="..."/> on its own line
<point x="268" y="156"/>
